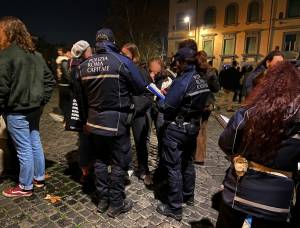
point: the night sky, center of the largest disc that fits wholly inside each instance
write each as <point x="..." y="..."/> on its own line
<point x="64" y="21"/>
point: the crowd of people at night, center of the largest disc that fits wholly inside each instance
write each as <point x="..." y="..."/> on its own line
<point x="109" y="94"/>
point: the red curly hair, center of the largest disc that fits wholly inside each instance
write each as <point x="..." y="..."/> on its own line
<point x="270" y="113"/>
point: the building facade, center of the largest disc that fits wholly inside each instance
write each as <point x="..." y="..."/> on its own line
<point x="242" y="30"/>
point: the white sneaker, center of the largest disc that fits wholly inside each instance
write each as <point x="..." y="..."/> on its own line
<point x="130" y="172"/>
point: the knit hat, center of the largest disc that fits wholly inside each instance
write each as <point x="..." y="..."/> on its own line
<point x="105" y="34"/>
<point x="79" y="48"/>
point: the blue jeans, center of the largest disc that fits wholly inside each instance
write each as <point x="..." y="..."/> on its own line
<point x="26" y="139"/>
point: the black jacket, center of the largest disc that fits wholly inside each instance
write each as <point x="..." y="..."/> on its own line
<point x="143" y="102"/>
<point x="25" y="80"/>
<point x="108" y="79"/>
<point x="213" y="83"/>
<point x="230" y="79"/>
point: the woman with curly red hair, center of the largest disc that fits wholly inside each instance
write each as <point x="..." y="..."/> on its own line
<point x="263" y="140"/>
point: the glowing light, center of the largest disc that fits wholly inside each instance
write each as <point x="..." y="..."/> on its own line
<point x="186" y="19"/>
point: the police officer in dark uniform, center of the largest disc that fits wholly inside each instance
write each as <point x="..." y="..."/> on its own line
<point x="182" y="108"/>
<point x="109" y="79"/>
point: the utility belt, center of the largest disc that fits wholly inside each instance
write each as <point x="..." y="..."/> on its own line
<point x="190" y="126"/>
<point x="241" y="165"/>
<point x="258" y="190"/>
<point x="260" y="168"/>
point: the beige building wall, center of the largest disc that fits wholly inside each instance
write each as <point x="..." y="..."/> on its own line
<point x="270" y="31"/>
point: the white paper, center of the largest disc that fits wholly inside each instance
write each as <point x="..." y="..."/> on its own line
<point x="225" y="118"/>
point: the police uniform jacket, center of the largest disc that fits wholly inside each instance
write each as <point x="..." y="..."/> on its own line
<point x="186" y="97"/>
<point x="109" y="79"/>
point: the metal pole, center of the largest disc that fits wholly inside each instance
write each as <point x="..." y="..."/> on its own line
<point x="270" y="27"/>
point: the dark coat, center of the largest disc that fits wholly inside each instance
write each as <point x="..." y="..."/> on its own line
<point x="143" y="102"/>
<point x="109" y="79"/>
<point x="263" y="190"/>
<point x="230" y="79"/>
<point x="213" y="83"/>
<point x="25" y="80"/>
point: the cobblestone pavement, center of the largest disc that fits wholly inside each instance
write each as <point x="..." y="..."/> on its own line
<point x="76" y="208"/>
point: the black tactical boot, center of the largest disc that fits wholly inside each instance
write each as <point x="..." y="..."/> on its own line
<point x="189" y="201"/>
<point x="166" y="211"/>
<point x="115" y="211"/>
<point x="102" y="205"/>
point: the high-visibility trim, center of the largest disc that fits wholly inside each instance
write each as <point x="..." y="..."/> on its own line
<point x="198" y="92"/>
<point x="261" y="206"/>
<point x="100" y="76"/>
<point x="63" y="84"/>
<point x="102" y="127"/>
<point x="296" y="136"/>
<point x="261" y="168"/>
<point x="271" y="172"/>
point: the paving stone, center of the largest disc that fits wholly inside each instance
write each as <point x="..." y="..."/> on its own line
<point x="85" y="212"/>
<point x="50" y="225"/>
<point x="64" y="222"/>
<point x="93" y="218"/>
<point x="26" y="224"/>
<point x="14" y="212"/>
<point x="64" y="209"/>
<point x="55" y="217"/>
<point x="15" y="225"/>
<point x="79" y="220"/>
<point x="143" y="222"/>
<point x="133" y="216"/>
<point x="146" y="213"/>
<point x="42" y="221"/>
<point x="155" y="220"/>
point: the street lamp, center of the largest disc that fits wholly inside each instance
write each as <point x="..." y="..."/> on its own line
<point x="188" y="20"/>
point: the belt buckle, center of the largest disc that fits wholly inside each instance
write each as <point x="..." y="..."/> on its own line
<point x="240" y="165"/>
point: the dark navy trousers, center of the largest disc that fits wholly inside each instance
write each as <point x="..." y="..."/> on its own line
<point x="177" y="157"/>
<point x="114" y="151"/>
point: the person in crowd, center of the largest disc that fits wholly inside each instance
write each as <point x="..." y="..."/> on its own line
<point x="108" y="80"/>
<point x="81" y="51"/>
<point x="209" y="74"/>
<point x="163" y="82"/>
<point x="26" y="85"/>
<point x="60" y="57"/>
<point x="230" y="81"/>
<point x="210" y="63"/>
<point x="246" y="71"/>
<point x="141" y="125"/>
<point x="263" y="140"/>
<point x="255" y="77"/>
<point x="163" y="79"/>
<point x="237" y="96"/>
<point x="64" y="81"/>
<point x="183" y="106"/>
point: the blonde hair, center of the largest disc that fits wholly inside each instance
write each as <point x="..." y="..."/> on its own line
<point x="133" y="49"/>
